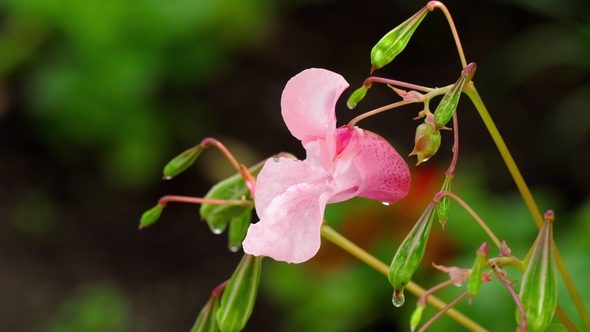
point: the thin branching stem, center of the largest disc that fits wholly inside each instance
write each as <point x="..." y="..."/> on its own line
<point x="331" y="235"/>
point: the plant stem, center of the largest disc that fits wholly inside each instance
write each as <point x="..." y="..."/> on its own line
<point x="528" y="198"/>
<point x="198" y="200"/>
<point x="331" y="235"/>
<point x="441" y="6"/>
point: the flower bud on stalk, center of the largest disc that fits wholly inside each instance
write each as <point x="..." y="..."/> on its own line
<point x="237" y="301"/>
<point x="538" y="291"/>
<point x="447" y="106"/>
<point x="416" y="316"/>
<point x="238" y="226"/>
<point x="394" y="42"/>
<point x="427" y="142"/>
<point x="206" y="321"/>
<point x="232" y="188"/>
<point x="442" y="209"/>
<point x="409" y="254"/>
<point x="475" y="280"/>
<point x="181" y="162"/>
<point x="150" y="216"/>
<point x="357" y="96"/>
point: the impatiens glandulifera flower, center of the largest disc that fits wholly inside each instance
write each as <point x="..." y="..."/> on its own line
<point x="394" y="42"/>
<point x="538" y="291"/>
<point x="409" y="254"/>
<point x="233" y="188"/>
<point x="427" y="142"/>
<point x="475" y="280"/>
<point x="237" y="300"/>
<point x="447" y="106"/>
<point x="341" y="163"/>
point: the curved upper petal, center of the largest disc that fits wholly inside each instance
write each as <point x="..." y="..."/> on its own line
<point x="385" y="174"/>
<point x="289" y="229"/>
<point x="308" y="103"/>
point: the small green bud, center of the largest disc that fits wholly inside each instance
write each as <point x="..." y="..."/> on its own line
<point x="447" y="106"/>
<point x="237" y="301"/>
<point x="357" y="96"/>
<point x="150" y="216"/>
<point x="409" y="254"/>
<point x="475" y="280"/>
<point x="206" y="321"/>
<point x="233" y="188"/>
<point x="538" y="291"/>
<point x="394" y="42"/>
<point x="416" y="316"/>
<point x="238" y="227"/>
<point x="181" y="162"/>
<point x="443" y="207"/>
<point x="427" y="141"/>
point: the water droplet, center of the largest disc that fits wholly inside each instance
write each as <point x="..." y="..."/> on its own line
<point x="234" y="248"/>
<point x="217" y="230"/>
<point x="425" y="159"/>
<point x="167" y="177"/>
<point x="398" y="298"/>
<point x="385" y="203"/>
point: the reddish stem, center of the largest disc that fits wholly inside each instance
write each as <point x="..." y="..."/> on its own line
<point x="198" y="200"/>
<point x="375" y="79"/>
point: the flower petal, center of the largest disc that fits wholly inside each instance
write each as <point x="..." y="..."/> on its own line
<point x="289" y="230"/>
<point x="277" y="175"/>
<point x="385" y="174"/>
<point x="308" y="103"/>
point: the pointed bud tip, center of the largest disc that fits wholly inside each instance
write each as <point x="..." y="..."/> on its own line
<point x="549" y="215"/>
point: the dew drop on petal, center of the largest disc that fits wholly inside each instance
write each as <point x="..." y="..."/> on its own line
<point x="385" y="203"/>
<point x="398" y="298"/>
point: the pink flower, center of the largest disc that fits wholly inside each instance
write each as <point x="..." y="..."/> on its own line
<point x="341" y="163"/>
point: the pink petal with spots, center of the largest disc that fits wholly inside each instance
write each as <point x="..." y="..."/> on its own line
<point x="289" y="230"/>
<point x="308" y="103"/>
<point x="385" y="174"/>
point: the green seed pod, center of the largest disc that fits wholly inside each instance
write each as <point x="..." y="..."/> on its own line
<point x="150" y="216"/>
<point x="206" y="321"/>
<point x="447" y="106"/>
<point x="416" y="316"/>
<point x="538" y="291"/>
<point x="409" y="254"/>
<point x="238" y="227"/>
<point x="357" y="96"/>
<point x="237" y="301"/>
<point x="394" y="42"/>
<point x="475" y="280"/>
<point x="181" y="162"/>
<point x="427" y="141"/>
<point x="443" y="207"/>
<point x="232" y="188"/>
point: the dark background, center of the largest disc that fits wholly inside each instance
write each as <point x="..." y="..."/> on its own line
<point x="96" y="96"/>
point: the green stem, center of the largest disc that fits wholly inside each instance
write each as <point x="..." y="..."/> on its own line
<point x="331" y="235"/>
<point x="528" y="198"/>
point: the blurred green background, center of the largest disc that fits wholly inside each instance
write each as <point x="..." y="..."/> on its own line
<point x="96" y="96"/>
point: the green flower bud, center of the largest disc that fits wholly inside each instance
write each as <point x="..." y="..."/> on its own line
<point x="447" y="106"/>
<point x="357" y="96"/>
<point x="181" y="162"/>
<point x="443" y="207"/>
<point x="237" y="301"/>
<point x="238" y="227"/>
<point x="206" y="321"/>
<point x="416" y="316"/>
<point x="409" y="254"/>
<point x="475" y="280"/>
<point x="394" y="42"/>
<point x="427" y="142"/>
<point x="233" y="188"/>
<point x="538" y="291"/>
<point x="150" y="216"/>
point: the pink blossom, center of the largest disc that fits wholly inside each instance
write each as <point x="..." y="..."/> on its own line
<point x="341" y="163"/>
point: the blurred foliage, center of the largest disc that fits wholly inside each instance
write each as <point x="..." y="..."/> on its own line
<point x="95" y="307"/>
<point x="96" y="72"/>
